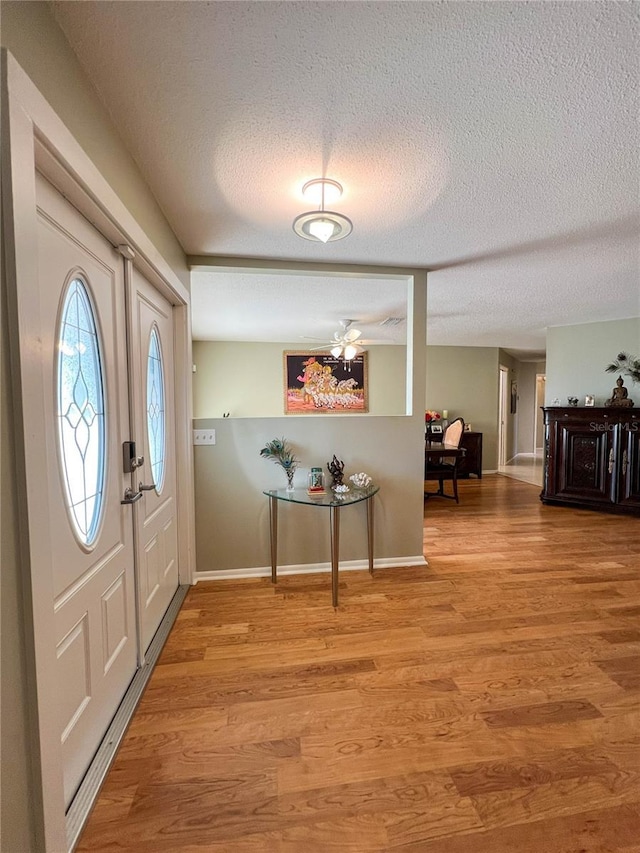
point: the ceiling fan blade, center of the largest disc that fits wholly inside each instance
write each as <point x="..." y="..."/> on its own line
<point x="352" y="335"/>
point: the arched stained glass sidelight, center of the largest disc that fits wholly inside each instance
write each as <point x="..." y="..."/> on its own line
<point x="81" y="412"/>
<point x="156" y="410"/>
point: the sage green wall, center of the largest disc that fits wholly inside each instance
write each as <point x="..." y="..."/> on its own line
<point x="232" y="514"/>
<point x="527" y="412"/>
<point x="29" y="31"/>
<point x="246" y="379"/>
<point x="464" y="381"/>
<point x="513" y="420"/>
<point x="578" y="355"/>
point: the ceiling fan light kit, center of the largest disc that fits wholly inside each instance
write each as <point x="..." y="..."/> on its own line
<point x="344" y="344"/>
<point x="350" y="351"/>
<point x="322" y="226"/>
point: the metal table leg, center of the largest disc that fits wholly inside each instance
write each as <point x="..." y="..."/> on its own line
<point x="334" y="523"/>
<point x="370" y="533"/>
<point x="273" y="536"/>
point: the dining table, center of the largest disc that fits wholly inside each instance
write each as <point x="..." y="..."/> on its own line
<point x="437" y="450"/>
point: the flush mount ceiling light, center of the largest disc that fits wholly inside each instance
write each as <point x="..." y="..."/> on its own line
<point x="322" y="226"/>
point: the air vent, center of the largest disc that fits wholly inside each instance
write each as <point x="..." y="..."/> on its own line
<point x="392" y="321"/>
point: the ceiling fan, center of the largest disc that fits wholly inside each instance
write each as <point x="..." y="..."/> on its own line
<point x="344" y="342"/>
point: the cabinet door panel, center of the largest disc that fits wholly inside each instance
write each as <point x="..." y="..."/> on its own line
<point x="586" y="464"/>
<point x="629" y="461"/>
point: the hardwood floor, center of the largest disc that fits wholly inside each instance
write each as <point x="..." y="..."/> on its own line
<point x="486" y="704"/>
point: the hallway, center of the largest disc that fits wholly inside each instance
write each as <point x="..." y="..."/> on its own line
<point x="527" y="467"/>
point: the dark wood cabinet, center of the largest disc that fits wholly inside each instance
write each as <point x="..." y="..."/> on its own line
<point x="592" y="458"/>
<point x="471" y="462"/>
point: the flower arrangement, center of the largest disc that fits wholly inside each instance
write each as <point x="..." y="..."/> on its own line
<point x="431" y="416"/>
<point x="279" y="451"/>
<point x="627" y="364"/>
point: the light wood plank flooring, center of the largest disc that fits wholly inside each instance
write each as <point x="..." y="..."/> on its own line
<point x="486" y="704"/>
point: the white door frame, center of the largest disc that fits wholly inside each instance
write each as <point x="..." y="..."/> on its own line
<point x="538" y="428"/>
<point x="503" y="414"/>
<point x="34" y="136"/>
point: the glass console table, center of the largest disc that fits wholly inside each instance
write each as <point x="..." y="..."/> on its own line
<point x="334" y="504"/>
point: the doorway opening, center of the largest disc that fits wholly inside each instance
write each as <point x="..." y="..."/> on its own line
<point x="538" y="433"/>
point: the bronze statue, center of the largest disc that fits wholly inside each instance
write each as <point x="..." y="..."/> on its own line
<point x="336" y="469"/>
<point x="620" y="395"/>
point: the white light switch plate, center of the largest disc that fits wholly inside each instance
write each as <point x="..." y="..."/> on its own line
<point x="204" y="436"/>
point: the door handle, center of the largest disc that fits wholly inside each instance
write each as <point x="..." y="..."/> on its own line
<point x="143" y="488"/>
<point x="130" y="497"/>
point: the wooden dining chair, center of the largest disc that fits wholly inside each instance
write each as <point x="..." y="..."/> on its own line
<point x="445" y="468"/>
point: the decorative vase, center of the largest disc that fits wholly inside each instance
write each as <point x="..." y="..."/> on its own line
<point x="289" y="472"/>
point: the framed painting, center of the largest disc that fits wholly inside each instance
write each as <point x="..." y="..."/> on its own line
<point x="317" y="383"/>
<point x="514" y="396"/>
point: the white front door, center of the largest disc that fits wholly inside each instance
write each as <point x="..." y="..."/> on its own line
<point x="153" y="395"/>
<point x="85" y="383"/>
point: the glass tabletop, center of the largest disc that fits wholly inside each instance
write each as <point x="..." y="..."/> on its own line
<point x="330" y="498"/>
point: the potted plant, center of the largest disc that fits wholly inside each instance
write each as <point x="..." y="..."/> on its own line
<point x="626" y="364"/>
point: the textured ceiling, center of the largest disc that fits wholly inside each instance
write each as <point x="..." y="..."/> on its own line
<point x="258" y="307"/>
<point x="494" y="143"/>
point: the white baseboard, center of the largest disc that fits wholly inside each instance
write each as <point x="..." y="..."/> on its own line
<point x="489" y="471"/>
<point x="308" y="568"/>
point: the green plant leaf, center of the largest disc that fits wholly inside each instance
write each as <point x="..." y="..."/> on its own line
<point x="625" y="365"/>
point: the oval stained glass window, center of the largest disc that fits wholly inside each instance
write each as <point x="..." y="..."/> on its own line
<point x="81" y="412"/>
<point x="156" y="410"/>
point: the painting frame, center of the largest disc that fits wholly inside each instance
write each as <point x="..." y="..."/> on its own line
<point x="345" y="389"/>
<point x="514" y="396"/>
